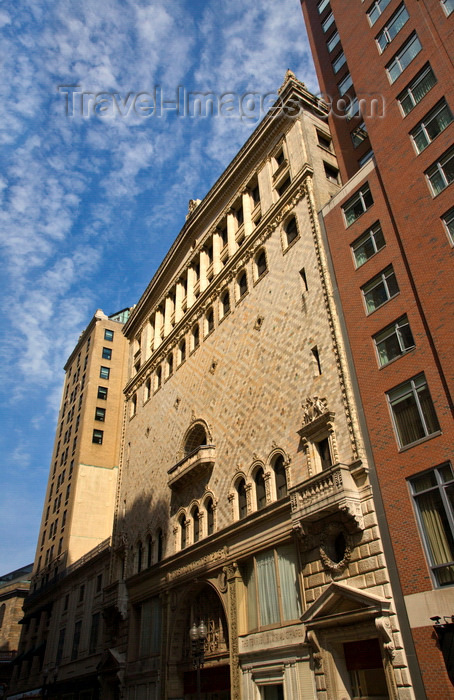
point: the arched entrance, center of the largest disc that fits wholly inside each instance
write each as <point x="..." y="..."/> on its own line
<point x="200" y="603"/>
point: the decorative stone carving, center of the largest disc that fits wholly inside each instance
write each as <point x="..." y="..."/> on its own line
<point x="315" y="647"/>
<point x="313" y="408"/>
<point x="327" y="537"/>
<point x="192" y="206"/>
<point x="383" y="625"/>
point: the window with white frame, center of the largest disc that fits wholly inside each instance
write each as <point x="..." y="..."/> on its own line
<point x="338" y="62"/>
<point x="358" y="204"/>
<point x="345" y="84"/>
<point x="273" y="595"/>
<point x="322" y="5"/>
<point x="393" y="341"/>
<point x="448" y="6"/>
<point x="403" y="57"/>
<point x="368" y="244"/>
<point x="433" y="124"/>
<point x="448" y="220"/>
<point x="328" y="22"/>
<point x="333" y="41"/>
<point x="417" y="89"/>
<point x="380" y="289"/>
<point x="392" y="27"/>
<point x="376" y="10"/>
<point x="413" y="411"/>
<point x="441" y="173"/>
<point x="432" y="494"/>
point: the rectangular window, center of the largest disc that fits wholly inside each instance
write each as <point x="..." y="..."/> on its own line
<point x="76" y="640"/>
<point x="332" y="174"/>
<point x="339" y="62"/>
<point x="100" y="413"/>
<point x="98" y="436"/>
<point x="359" y="134"/>
<point x="392" y="27"/>
<point x="272" y="587"/>
<point x="60" y="645"/>
<point x="416" y="89"/>
<point x="322" y="5"/>
<point x="393" y="341"/>
<point x="107" y="353"/>
<point x="441" y="174"/>
<point x="448" y="220"/>
<point x="352" y="109"/>
<point x="345" y="84"/>
<point x="380" y="289"/>
<point x="403" y="57"/>
<point x="413" y="411"/>
<point x="366" y="157"/>
<point x="328" y="22"/>
<point x="358" y="204"/>
<point x="102" y="392"/>
<point x="433" y="124"/>
<point x="376" y="10"/>
<point x="104" y="372"/>
<point x="108" y="334"/>
<point x="150" y="627"/>
<point x="94" y="633"/>
<point x="333" y="41"/>
<point x="433" y="496"/>
<point x="448" y="6"/>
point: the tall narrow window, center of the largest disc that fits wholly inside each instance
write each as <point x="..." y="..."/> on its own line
<point x="195" y="524"/>
<point x="195" y="336"/>
<point x="291" y="230"/>
<point x="242" y="500"/>
<point x="260" y="491"/>
<point x="280" y="477"/>
<point x="182" y="525"/>
<point x="160" y="544"/>
<point x="433" y="497"/>
<point x="242" y="285"/>
<point x="225" y="303"/>
<point x="209" y="507"/>
<point x="260" y="262"/>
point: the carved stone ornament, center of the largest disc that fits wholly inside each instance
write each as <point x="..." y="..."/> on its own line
<point x="327" y="537"/>
<point x="192" y="205"/>
<point x="315" y="647"/>
<point x="313" y="408"/>
<point x="383" y="625"/>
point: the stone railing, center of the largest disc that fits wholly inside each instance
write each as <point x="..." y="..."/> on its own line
<point x="192" y="465"/>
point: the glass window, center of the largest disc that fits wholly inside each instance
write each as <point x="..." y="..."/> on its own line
<point x="97" y="437"/>
<point x="448" y="6"/>
<point x="448" y="220"/>
<point x="281" y="477"/>
<point x="100" y="413"/>
<point x="94" y="632"/>
<point x="352" y="108"/>
<point x="366" y="157"/>
<point x="339" y="62"/>
<point x="195" y="336"/>
<point x="225" y="303"/>
<point x="433" y="124"/>
<point x="392" y="27"/>
<point x="368" y="244"/>
<point x="381" y="288"/>
<point x="359" y="134"/>
<point x="260" y="491"/>
<point x="433" y="498"/>
<point x="108" y="334"/>
<point x="417" y="89"/>
<point x="107" y="353"/>
<point x="357" y="205"/>
<point x="272" y="587"/>
<point x="333" y="41"/>
<point x="345" y="84"/>
<point x="242" y="500"/>
<point x="104" y="372"/>
<point x="413" y="411"/>
<point x="242" y="284"/>
<point x="291" y="230"/>
<point x="261" y="263"/>
<point x="376" y="10"/>
<point x="328" y="22"/>
<point x="150" y="627"/>
<point x="322" y="5"/>
<point x="102" y="392"/>
<point x="403" y="57"/>
<point x="441" y="174"/>
<point x="393" y="341"/>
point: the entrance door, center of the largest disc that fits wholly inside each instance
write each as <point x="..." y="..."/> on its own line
<point x="365" y="666"/>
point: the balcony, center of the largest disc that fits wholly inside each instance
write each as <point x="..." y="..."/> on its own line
<point x="331" y="491"/>
<point x="194" y="465"/>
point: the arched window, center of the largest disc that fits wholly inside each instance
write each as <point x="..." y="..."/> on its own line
<point x="225" y="303"/>
<point x="196" y="437"/>
<point x="195" y="336"/>
<point x="291" y="230"/>
<point x="242" y="500"/>
<point x="160" y="544"/>
<point x="158" y="377"/>
<point x="182" y="351"/>
<point x="147" y="389"/>
<point x="209" y="321"/>
<point x="139" y="556"/>
<point x="260" y="492"/>
<point x="182" y="524"/>
<point x="133" y="405"/>
<point x="149" y="551"/>
<point x="280" y="477"/>
<point x="195" y="524"/>
<point x="2" y="614"/>
<point x="209" y="507"/>
<point x="260" y="263"/>
<point x="242" y="284"/>
<point x="169" y="364"/>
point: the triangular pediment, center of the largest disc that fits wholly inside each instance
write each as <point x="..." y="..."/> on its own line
<point x="338" y="599"/>
<point x="111" y="660"/>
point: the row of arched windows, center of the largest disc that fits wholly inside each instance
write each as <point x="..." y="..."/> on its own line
<point x="149" y="552"/>
<point x="196" y="522"/>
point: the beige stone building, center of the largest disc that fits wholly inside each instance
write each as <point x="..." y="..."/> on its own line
<point x="244" y="496"/>
<point x="14" y="587"/>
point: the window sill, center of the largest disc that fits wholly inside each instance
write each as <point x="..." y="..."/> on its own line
<point x="358" y="217"/>
<point x="369" y="313"/>
<point x="290" y="245"/>
<point x="259" y="279"/>
<point x="420" y="441"/>
<point x="227" y="313"/>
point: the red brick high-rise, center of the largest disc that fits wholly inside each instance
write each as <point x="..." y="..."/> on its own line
<point x="386" y="67"/>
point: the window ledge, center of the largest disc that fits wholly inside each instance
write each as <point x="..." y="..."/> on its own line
<point x="419" y="442"/>
<point x="406" y="352"/>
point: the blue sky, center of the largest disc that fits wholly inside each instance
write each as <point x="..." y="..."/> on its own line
<point x="92" y="199"/>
